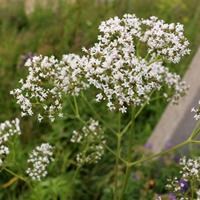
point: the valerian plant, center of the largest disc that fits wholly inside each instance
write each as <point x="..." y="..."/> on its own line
<point x="126" y="67"/>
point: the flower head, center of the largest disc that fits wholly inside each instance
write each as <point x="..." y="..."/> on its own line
<point x="91" y="139"/>
<point x="121" y="75"/>
<point x="70" y="74"/>
<point x="39" y="91"/>
<point x="38" y="161"/>
<point x="164" y="40"/>
<point x="7" y="130"/>
<point x="189" y="174"/>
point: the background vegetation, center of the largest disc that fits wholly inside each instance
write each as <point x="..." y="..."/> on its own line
<point x="62" y="30"/>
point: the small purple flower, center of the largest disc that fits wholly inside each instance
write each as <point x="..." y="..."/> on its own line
<point x="184" y="185"/>
<point x="172" y="196"/>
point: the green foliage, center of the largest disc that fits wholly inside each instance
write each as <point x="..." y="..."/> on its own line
<point x="52" y="188"/>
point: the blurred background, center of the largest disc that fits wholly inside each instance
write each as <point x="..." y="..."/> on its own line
<point x="50" y="27"/>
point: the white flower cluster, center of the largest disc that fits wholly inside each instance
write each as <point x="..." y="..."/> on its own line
<point x="196" y="111"/>
<point x="176" y="85"/>
<point x="113" y="66"/>
<point x="160" y="39"/>
<point x="189" y="176"/>
<point x="124" y="78"/>
<point x="175" y="186"/>
<point x="70" y="76"/>
<point x="47" y="79"/>
<point x="190" y="168"/>
<point x="39" y="159"/>
<point x="165" y="40"/>
<point x="39" y="91"/>
<point x="7" y="130"/>
<point x="91" y="139"/>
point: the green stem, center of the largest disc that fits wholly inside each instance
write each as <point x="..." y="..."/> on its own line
<point x="137" y="49"/>
<point x="115" y="154"/>
<point x="135" y="116"/>
<point x="76" y="107"/>
<point x="131" y="133"/>
<point x="192" y="189"/>
<point x="189" y="140"/>
<point x="196" y="131"/>
<point x="96" y="114"/>
<point x="117" y="164"/>
<point x="82" y="121"/>
<point x="10" y="182"/>
<point x="140" y="110"/>
<point x="145" y="103"/>
<point x="75" y="173"/>
<point x="160" y="154"/>
<point x="195" y="141"/>
<point x="130" y="145"/>
<point x="126" y="128"/>
<point x="118" y="155"/>
<point x="18" y="176"/>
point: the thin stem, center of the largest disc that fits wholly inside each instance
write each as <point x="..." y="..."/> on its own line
<point x="76" y="107"/>
<point x="130" y="144"/>
<point x="75" y="173"/>
<point x="76" y="112"/>
<point x="114" y="153"/>
<point x="146" y="102"/>
<point x="131" y="133"/>
<point x="160" y="154"/>
<point x="137" y="48"/>
<point x="126" y="128"/>
<point x="192" y="188"/>
<point x="119" y="122"/>
<point x="118" y="153"/>
<point x="117" y="165"/>
<point x="96" y="114"/>
<point x="196" y="131"/>
<point x="135" y="116"/>
<point x="16" y="175"/>
<point x="146" y="57"/>
<point x="10" y="182"/>
<point x="71" y="104"/>
<point x="82" y="121"/>
<point x="140" y="110"/>
<point x="195" y="141"/>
